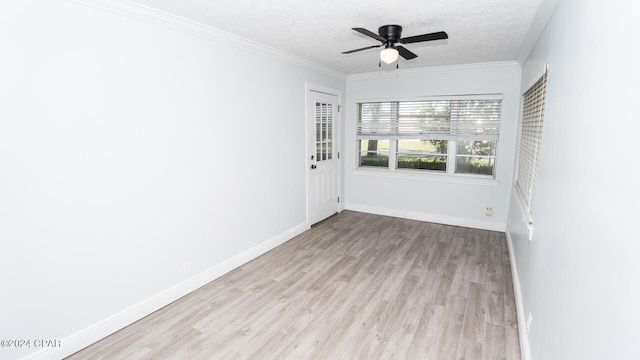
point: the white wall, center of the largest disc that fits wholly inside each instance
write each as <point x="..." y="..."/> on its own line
<point x="578" y="277"/>
<point x="126" y="149"/>
<point x="438" y="201"/>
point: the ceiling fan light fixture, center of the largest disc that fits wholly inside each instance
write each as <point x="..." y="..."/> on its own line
<point x="389" y="55"/>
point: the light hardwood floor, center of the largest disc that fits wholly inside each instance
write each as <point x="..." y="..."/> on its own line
<point x="355" y="286"/>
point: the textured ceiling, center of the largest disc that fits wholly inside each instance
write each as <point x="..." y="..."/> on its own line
<point x="479" y="30"/>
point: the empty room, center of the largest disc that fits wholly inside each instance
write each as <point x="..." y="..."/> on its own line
<point x="319" y="180"/>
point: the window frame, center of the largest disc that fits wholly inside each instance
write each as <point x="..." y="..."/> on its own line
<point x="450" y="175"/>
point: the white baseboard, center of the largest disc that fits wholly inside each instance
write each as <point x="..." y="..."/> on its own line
<point x="106" y="327"/>
<point x="522" y="331"/>
<point x="434" y="218"/>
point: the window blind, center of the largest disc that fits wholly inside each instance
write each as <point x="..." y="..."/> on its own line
<point x="531" y="126"/>
<point x="468" y="119"/>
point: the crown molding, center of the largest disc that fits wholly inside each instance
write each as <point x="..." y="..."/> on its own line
<point x="161" y="18"/>
<point x="434" y="69"/>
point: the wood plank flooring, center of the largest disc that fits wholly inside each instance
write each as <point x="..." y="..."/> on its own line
<point x="355" y="286"/>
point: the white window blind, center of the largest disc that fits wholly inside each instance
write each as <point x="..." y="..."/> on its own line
<point x="530" y="144"/>
<point x="468" y="119"/>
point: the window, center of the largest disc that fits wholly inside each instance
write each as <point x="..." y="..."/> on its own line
<point x="530" y="143"/>
<point x="455" y="135"/>
<point x="324" y="131"/>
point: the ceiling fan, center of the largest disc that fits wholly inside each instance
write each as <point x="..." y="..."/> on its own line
<point x="389" y="35"/>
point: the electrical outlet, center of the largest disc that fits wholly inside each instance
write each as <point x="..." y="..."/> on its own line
<point x="186" y="267"/>
<point x="529" y="320"/>
<point x="488" y="211"/>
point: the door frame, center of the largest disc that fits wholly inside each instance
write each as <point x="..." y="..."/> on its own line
<point x="337" y="141"/>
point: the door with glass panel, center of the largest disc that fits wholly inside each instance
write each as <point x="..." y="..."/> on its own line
<point x="322" y="156"/>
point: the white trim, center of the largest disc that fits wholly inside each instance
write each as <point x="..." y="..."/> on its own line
<point x="80" y="340"/>
<point x="434" y="218"/>
<point x="158" y="17"/>
<point x="434" y="69"/>
<point x="525" y="351"/>
<point x="425" y="175"/>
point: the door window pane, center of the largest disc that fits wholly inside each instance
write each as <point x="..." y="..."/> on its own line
<point x="324" y="131"/>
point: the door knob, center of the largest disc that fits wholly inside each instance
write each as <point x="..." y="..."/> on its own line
<point x="313" y="166"/>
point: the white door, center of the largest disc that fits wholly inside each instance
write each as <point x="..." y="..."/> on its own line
<point x="322" y="156"/>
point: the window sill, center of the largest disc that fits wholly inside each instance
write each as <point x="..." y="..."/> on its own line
<point x="429" y="177"/>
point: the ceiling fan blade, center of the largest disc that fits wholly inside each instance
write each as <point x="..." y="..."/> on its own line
<point x="408" y="55"/>
<point x="370" y="34"/>
<point x="440" y="35"/>
<point x="364" y="48"/>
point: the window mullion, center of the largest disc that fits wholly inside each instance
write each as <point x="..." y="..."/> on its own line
<point x="393" y="141"/>
<point x="393" y="154"/>
<point x="451" y="156"/>
<point x="452" y="145"/>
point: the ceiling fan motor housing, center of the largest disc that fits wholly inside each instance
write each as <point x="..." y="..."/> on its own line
<point x="390" y="32"/>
